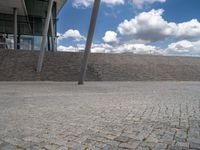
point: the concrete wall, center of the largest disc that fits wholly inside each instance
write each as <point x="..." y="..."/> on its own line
<point x="61" y="66"/>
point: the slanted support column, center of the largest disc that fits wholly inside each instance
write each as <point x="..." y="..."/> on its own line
<point x="89" y="41"/>
<point x="44" y="38"/>
<point x="15" y="27"/>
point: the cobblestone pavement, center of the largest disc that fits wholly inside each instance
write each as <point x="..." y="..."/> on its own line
<point x="99" y="115"/>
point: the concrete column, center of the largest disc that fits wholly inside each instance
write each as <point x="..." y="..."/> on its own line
<point x="32" y="43"/>
<point x="15" y="27"/>
<point x="44" y="39"/>
<point x="89" y="41"/>
<point x="52" y="35"/>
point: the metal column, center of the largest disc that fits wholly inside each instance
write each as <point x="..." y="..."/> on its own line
<point x="89" y="41"/>
<point x="44" y="39"/>
<point x="15" y="27"/>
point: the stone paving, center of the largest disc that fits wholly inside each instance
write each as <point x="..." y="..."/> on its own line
<point x="100" y="116"/>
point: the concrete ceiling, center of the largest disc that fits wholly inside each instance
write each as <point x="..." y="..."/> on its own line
<point x="6" y="6"/>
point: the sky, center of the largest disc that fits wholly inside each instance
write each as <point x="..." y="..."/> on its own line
<point x="159" y="27"/>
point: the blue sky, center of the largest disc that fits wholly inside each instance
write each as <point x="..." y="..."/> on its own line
<point x="164" y="27"/>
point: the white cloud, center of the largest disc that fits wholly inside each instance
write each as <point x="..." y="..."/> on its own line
<point x="150" y="26"/>
<point x="96" y="48"/>
<point x="68" y="48"/>
<point x="183" y="47"/>
<point x="137" y="49"/>
<point x="180" y="48"/>
<point x="110" y="37"/>
<point x="141" y="3"/>
<point x="59" y="34"/>
<point x="82" y="3"/>
<point x="137" y="3"/>
<point x="101" y="48"/>
<point x="74" y="34"/>
<point x="137" y="34"/>
<point x="113" y="2"/>
<point x="88" y="3"/>
<point x="123" y="48"/>
<point x="188" y="29"/>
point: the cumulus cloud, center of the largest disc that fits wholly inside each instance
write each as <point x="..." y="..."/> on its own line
<point x="188" y="29"/>
<point x="88" y="3"/>
<point x="96" y="48"/>
<point x="180" y="48"/>
<point x="59" y="34"/>
<point x="68" y="48"/>
<point x="122" y="48"/>
<point x="101" y="48"/>
<point x="184" y="47"/>
<point x="82" y="3"/>
<point x="110" y="37"/>
<point x="136" y="35"/>
<point x="73" y="34"/>
<point x="137" y="49"/>
<point x="137" y="3"/>
<point x="151" y="26"/>
<point x="141" y="3"/>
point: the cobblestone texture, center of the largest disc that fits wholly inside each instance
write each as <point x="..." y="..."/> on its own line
<point x="100" y="116"/>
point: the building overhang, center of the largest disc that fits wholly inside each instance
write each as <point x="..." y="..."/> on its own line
<point x="6" y="7"/>
<point x="60" y="4"/>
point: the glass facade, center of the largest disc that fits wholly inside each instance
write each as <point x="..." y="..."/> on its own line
<point x="27" y="42"/>
<point x="29" y="27"/>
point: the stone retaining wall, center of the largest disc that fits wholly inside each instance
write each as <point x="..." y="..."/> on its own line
<point x="64" y="66"/>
